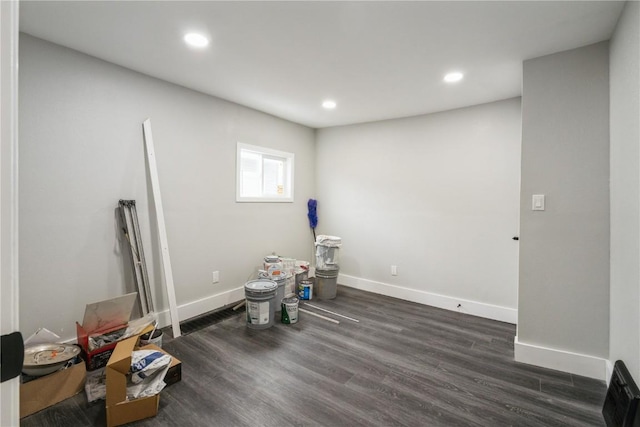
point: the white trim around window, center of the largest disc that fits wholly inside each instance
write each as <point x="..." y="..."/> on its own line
<point x="263" y="174"/>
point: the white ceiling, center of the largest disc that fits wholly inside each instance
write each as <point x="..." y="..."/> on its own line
<point x="377" y="60"/>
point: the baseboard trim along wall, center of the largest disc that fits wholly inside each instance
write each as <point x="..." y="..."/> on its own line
<point x="561" y="360"/>
<point x="608" y="372"/>
<point x="202" y="306"/>
<point x="488" y="311"/>
<point x="193" y="308"/>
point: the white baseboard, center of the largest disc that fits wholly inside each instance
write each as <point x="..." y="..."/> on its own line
<point x="488" y="311"/>
<point x="193" y="308"/>
<point x="201" y="306"/>
<point x="561" y="360"/>
<point x="609" y="371"/>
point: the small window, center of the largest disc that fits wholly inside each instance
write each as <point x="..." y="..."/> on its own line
<point x="263" y="175"/>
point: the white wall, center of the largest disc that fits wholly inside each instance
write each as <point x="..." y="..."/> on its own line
<point x="81" y="150"/>
<point x="625" y="190"/>
<point x="564" y="250"/>
<point x="436" y="195"/>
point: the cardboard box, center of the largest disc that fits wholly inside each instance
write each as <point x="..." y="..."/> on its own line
<point x="119" y="409"/>
<point x="174" y="374"/>
<point x="102" y="318"/>
<point x="99" y="357"/>
<point x="48" y="390"/>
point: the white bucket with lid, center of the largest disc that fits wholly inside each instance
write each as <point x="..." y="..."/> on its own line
<point x="272" y="263"/>
<point x="260" y="301"/>
<point x="290" y="309"/>
<point x="281" y="281"/>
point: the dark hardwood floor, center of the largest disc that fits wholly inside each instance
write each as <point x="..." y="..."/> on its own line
<point x="403" y="364"/>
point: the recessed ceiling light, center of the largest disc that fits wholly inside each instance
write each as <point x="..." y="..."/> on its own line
<point x="329" y="105"/>
<point x="453" y="77"/>
<point x="196" y="40"/>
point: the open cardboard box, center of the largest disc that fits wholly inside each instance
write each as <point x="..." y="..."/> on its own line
<point x="48" y="390"/>
<point x="102" y="318"/>
<point x="119" y="409"/>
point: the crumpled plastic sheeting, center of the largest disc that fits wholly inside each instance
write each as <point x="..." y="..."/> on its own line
<point x="329" y="241"/>
<point x="148" y="369"/>
<point x="134" y="327"/>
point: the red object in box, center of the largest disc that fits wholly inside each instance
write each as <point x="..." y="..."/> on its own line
<point x="99" y="357"/>
<point x="102" y="318"/>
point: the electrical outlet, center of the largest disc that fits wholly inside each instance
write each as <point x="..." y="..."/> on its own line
<point x="216" y="276"/>
<point x="394" y="270"/>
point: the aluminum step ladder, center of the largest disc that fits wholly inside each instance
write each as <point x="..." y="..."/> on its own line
<point x="131" y="231"/>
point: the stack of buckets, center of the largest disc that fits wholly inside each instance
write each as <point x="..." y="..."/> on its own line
<point x="327" y="266"/>
<point x="274" y="290"/>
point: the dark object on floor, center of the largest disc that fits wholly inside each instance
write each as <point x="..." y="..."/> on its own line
<point x="12" y="355"/>
<point x="621" y="403"/>
<point x="209" y="319"/>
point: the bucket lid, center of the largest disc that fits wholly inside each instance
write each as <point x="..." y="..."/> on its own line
<point x="272" y="258"/>
<point x="290" y="299"/>
<point x="280" y="276"/>
<point x="261" y="285"/>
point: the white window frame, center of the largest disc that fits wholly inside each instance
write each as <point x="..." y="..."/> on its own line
<point x="289" y="158"/>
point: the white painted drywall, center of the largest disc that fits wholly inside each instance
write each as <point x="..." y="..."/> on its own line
<point x="436" y="195"/>
<point x="564" y="250"/>
<point x="81" y="150"/>
<point x="624" y="68"/>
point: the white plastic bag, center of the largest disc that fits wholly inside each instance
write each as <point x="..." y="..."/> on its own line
<point x="148" y="369"/>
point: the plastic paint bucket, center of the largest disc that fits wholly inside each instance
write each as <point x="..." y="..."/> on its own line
<point x="272" y="263"/>
<point x="260" y="301"/>
<point x="156" y="339"/>
<point x="281" y="281"/>
<point x="288" y="265"/>
<point x="326" y="286"/>
<point x="301" y="274"/>
<point x="290" y="284"/>
<point x="289" y="310"/>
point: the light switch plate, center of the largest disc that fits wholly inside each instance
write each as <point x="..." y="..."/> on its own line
<point x="537" y="202"/>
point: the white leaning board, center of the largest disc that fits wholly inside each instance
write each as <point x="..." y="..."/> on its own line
<point x="162" y="231"/>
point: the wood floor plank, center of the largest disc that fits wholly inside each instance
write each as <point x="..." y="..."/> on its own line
<point x="495" y="390"/>
<point x="403" y="364"/>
